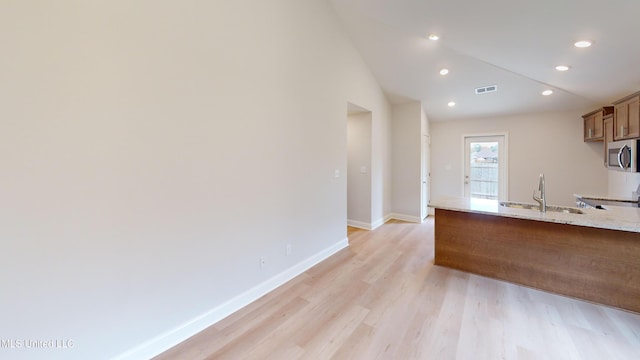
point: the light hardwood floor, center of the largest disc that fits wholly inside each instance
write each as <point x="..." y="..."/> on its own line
<point x="382" y="298"/>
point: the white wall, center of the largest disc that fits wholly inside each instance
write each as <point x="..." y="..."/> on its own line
<point x="152" y="151"/>
<point x="426" y="168"/>
<point x="549" y="142"/>
<point x="380" y="164"/>
<point x="406" y="160"/>
<point x="359" y="170"/>
<point x="622" y="184"/>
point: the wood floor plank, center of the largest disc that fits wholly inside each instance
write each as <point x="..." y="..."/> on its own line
<point x="256" y="336"/>
<point x="328" y="340"/>
<point x="382" y="298"/>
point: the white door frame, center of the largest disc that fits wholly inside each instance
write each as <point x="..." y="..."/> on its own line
<point x="503" y="193"/>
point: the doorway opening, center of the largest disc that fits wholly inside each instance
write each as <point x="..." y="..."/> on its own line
<point x="359" y="145"/>
<point x="485" y="161"/>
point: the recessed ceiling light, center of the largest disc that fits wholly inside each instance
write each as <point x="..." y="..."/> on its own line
<point x="433" y="37"/>
<point x="562" y="68"/>
<point x="547" y="92"/>
<point x="451" y="104"/>
<point x="444" y="71"/>
<point x="583" y="43"/>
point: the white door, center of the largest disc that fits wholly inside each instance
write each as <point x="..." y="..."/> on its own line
<point x="485" y="161"/>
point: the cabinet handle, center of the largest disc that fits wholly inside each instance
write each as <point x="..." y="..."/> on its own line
<point x="621" y="130"/>
<point x="590" y="133"/>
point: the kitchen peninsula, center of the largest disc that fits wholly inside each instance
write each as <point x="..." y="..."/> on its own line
<point x="593" y="256"/>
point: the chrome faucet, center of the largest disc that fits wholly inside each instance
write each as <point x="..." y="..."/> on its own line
<point x="542" y="200"/>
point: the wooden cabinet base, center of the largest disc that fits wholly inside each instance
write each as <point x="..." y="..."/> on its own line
<point x="593" y="264"/>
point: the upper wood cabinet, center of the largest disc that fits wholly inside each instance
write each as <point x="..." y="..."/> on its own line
<point x="593" y="123"/>
<point x="626" y="117"/>
<point x="608" y="137"/>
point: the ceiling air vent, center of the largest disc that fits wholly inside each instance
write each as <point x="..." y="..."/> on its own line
<point x="486" y="89"/>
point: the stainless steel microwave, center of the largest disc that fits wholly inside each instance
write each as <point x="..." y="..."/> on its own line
<point x="623" y="155"/>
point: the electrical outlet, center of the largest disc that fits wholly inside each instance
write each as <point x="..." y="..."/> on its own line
<point x="263" y="262"/>
<point x="288" y="250"/>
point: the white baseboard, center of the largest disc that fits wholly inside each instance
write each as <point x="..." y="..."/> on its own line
<point x="403" y="217"/>
<point x="173" y="337"/>
<point x="368" y="226"/>
<point x="379" y="223"/>
<point x="359" y="224"/>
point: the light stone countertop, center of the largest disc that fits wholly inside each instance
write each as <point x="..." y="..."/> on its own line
<point x="613" y="218"/>
<point x="605" y="197"/>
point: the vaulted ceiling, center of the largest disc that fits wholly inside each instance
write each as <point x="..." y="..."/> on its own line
<point x="514" y="44"/>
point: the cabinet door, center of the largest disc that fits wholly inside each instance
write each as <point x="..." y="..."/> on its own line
<point x="608" y="137"/>
<point x="621" y="121"/>
<point x="633" y="113"/>
<point x="588" y="127"/>
<point x="598" y="130"/>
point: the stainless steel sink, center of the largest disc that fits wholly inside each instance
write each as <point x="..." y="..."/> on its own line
<point x="562" y="209"/>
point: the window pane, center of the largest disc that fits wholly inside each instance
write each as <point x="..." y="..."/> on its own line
<point x="484" y="170"/>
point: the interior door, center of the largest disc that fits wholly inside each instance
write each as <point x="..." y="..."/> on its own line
<point x="485" y="167"/>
